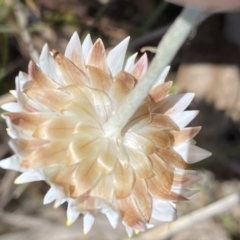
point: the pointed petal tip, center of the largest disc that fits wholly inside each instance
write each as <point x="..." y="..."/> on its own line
<point x="69" y="223"/>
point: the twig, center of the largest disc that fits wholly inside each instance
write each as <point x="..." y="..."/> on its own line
<point x="21" y="20"/>
<point x="167" y="49"/>
<point x="168" y="230"/>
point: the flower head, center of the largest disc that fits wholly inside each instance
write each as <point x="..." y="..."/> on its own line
<point x="58" y="134"/>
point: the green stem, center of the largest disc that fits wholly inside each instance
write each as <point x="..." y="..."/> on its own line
<point x="167" y="49"/>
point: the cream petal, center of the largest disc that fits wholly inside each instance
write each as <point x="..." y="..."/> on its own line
<point x="83" y="177"/>
<point x="107" y="157"/>
<point x="31" y="176"/>
<point x="88" y="221"/>
<point x="163" y="211"/>
<point x="161" y="77"/>
<point x="174" y="103"/>
<point x="87" y="46"/>
<point x="143" y="198"/>
<point x="140" y="163"/>
<point x="130" y="63"/>
<point x="74" y="52"/>
<point x="191" y="153"/>
<point x="57" y="128"/>
<point x="53" y="99"/>
<point x="139" y="143"/>
<point x="162" y="122"/>
<point x="50" y="154"/>
<point x="116" y="56"/>
<point x="123" y="180"/>
<point x="182" y="119"/>
<point x="104" y="189"/>
<point x="82" y="148"/>
<point x="140" y="67"/>
<point x="185" y="178"/>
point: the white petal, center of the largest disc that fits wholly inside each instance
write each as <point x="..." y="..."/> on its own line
<point x="50" y="196"/>
<point x="49" y="67"/>
<point x="74" y="48"/>
<point x="163" y="211"/>
<point x="88" y="221"/>
<point x="162" y="76"/>
<point x="184" y="191"/>
<point x="184" y="118"/>
<point x="87" y="46"/>
<point x="191" y="153"/>
<point x="11" y="107"/>
<point x="111" y="215"/>
<point x="130" y="63"/>
<point x="11" y="163"/>
<point x="191" y="174"/>
<point x="116" y="56"/>
<point x="129" y="230"/>
<point x="175" y="103"/>
<point x="72" y="214"/>
<point x="29" y="177"/>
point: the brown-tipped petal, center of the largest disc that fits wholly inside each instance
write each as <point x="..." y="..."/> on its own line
<point x="26" y="147"/>
<point x="104" y="189"/>
<point x="160" y="91"/>
<point x="130" y="213"/>
<point x="163" y="122"/>
<point x="122" y="84"/>
<point x="85" y="176"/>
<point x="29" y="121"/>
<point x="86" y="203"/>
<point x="107" y="157"/>
<point x="84" y="110"/>
<point x="185" y="135"/>
<point x="142" y="197"/>
<point x="81" y="148"/>
<point x="71" y="73"/>
<point x="97" y="57"/>
<point x="156" y="187"/>
<point x="172" y="158"/>
<point x="39" y="78"/>
<point x="139" y="143"/>
<point x="161" y="139"/>
<point x="53" y="99"/>
<point x="99" y="79"/>
<point x="50" y="154"/>
<point x="162" y="171"/>
<point x="123" y="180"/>
<point x="141" y="163"/>
<point x="140" y="67"/>
<point x="58" y="128"/>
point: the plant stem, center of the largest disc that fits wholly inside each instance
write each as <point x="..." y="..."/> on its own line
<point x="167" y="49"/>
